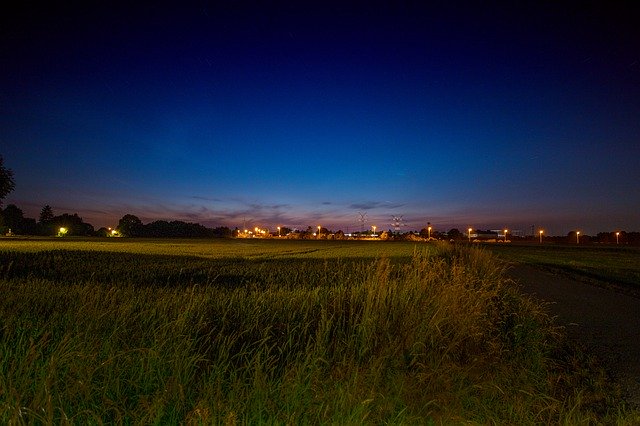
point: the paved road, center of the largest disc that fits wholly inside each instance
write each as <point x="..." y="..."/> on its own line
<point x="606" y="322"/>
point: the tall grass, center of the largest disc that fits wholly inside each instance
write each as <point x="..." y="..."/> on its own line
<point x="440" y="338"/>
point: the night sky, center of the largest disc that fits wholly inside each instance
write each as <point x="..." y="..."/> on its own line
<point x="228" y="113"/>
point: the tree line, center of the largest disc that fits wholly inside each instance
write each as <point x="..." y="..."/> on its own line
<point x="13" y="221"/>
<point x="132" y="226"/>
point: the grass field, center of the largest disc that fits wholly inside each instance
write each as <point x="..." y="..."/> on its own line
<point x="284" y="332"/>
<point x="610" y="264"/>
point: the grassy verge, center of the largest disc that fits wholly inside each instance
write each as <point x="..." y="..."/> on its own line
<point x="440" y="337"/>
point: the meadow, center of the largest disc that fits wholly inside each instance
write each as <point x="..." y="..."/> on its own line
<point x="281" y="332"/>
<point x="608" y="264"/>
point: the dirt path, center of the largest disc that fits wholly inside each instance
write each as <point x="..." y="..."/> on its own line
<point x="606" y="322"/>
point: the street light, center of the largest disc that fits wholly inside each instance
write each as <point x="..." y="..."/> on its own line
<point x="429" y="232"/>
<point x="374" y="229"/>
<point x="505" y="235"/>
<point x="469" y="234"/>
<point x="541" y="232"/>
<point x="577" y="237"/>
<point x="319" y="227"/>
<point x="278" y="231"/>
<point x="617" y="236"/>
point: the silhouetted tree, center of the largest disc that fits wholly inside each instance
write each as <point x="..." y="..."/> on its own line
<point x="46" y="214"/>
<point x="73" y="223"/>
<point x="454" y="234"/>
<point x="284" y="231"/>
<point x="45" y="221"/>
<point x="103" y="232"/>
<point x="7" y="184"/>
<point x="130" y="226"/>
<point x="13" y="219"/>
<point x="222" y="232"/>
<point x="29" y="226"/>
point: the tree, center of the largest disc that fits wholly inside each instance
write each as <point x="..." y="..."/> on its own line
<point x="7" y="184"/>
<point x="285" y="231"/>
<point x="45" y="221"/>
<point x="13" y="219"/>
<point x="73" y="224"/>
<point x="130" y="226"/>
<point x="222" y="232"/>
<point x="46" y="215"/>
<point x="454" y="234"/>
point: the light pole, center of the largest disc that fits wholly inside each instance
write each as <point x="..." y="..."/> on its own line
<point x="319" y="227"/>
<point x="505" y="235"/>
<point x="469" y="234"/>
<point x="541" y="232"/>
<point x="278" y="231"/>
<point x="617" y="236"/>
<point x="429" y="232"/>
<point x="577" y="237"/>
<point x="374" y="229"/>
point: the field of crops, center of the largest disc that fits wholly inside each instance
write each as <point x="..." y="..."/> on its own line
<point x="290" y="332"/>
<point x="618" y="265"/>
<point x="221" y="248"/>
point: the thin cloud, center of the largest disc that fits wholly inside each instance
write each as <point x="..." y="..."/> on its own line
<point x="370" y="205"/>
<point x="198" y="197"/>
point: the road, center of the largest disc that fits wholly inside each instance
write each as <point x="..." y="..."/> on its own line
<point x="605" y="322"/>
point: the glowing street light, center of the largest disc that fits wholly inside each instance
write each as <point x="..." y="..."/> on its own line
<point x="429" y="232"/>
<point x="469" y="234"/>
<point x="577" y="237"/>
<point x="541" y="232"/>
<point x="617" y="237"/>
<point x="374" y="229"/>
<point x="278" y="231"/>
<point x="505" y="235"/>
<point x="319" y="228"/>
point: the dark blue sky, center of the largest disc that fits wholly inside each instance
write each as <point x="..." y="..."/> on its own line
<point x="221" y="113"/>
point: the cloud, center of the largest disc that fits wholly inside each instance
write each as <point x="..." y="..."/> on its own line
<point x="370" y="205"/>
<point x="198" y="197"/>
